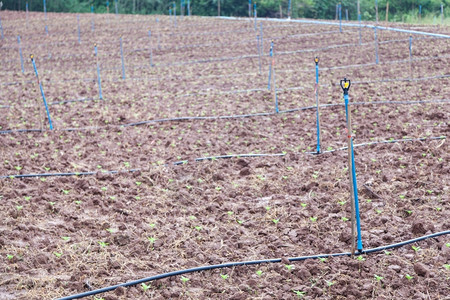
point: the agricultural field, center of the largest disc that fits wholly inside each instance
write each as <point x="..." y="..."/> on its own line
<point x="184" y="161"/>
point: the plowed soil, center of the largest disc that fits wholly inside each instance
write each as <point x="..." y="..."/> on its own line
<point x="63" y="235"/>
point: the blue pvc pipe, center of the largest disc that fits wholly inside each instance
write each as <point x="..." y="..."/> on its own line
<point x="20" y="53"/>
<point x="98" y="76"/>
<point x="46" y="29"/>
<point x="355" y="186"/>
<point x="261" y="35"/>
<point x="289" y="8"/>
<point x="410" y="46"/>
<point x="1" y="28"/>
<point x="376" y="45"/>
<point x="115" y="7"/>
<point x="92" y="19"/>
<point x="340" y="17"/>
<point x="42" y="93"/>
<point x="249" y="8"/>
<point x="189" y="8"/>
<point x="78" y="29"/>
<point x="317" y="110"/>
<point x="270" y="65"/>
<point x="45" y="10"/>
<point x="151" y="48"/>
<point x="255" y="13"/>
<point x="359" y="20"/>
<point x="121" y="54"/>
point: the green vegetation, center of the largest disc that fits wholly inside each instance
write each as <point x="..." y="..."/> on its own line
<point x="399" y="10"/>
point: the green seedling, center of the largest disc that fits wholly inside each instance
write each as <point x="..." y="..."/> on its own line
<point x="379" y="211"/>
<point x="104" y="188"/>
<point x="66" y="238"/>
<point x="111" y="230"/>
<point x="47" y="169"/>
<point x="184" y="279"/>
<point x="9" y="256"/>
<point x="299" y="294"/>
<point x="378" y="278"/>
<point x="198" y="228"/>
<point x="409" y="277"/>
<point x="218" y="188"/>
<point x="259" y="272"/>
<point x="322" y="259"/>
<point x="230" y="213"/>
<point x="402" y="196"/>
<point x="224" y="276"/>
<point x="19" y="207"/>
<point x="342" y="202"/>
<point x="447" y="266"/>
<point x="415" y="248"/>
<point x="127" y="164"/>
<point x="448" y="245"/>
<point x="240" y="221"/>
<point x="267" y="208"/>
<point x="409" y="212"/>
<point x="151" y="239"/>
<point x="387" y="252"/>
<point x="313" y="219"/>
<point x="78" y="202"/>
<point x="289" y="267"/>
<point x="145" y="287"/>
<point x="276" y="221"/>
<point x="344" y="219"/>
<point x="360" y="258"/>
<point x="18" y="168"/>
<point x="192" y="218"/>
<point x="329" y="283"/>
<point x="102" y="244"/>
<point x="303" y="204"/>
<point x="438" y="208"/>
<point x="57" y="254"/>
<point x="138" y="183"/>
<point x="27" y="198"/>
<point x="51" y="203"/>
<point x="65" y="192"/>
<point x="112" y="197"/>
<point x="152" y="225"/>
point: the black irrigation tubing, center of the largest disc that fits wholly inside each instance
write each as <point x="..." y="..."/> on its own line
<point x="232" y="116"/>
<point x="212" y="158"/>
<point x="249" y="263"/>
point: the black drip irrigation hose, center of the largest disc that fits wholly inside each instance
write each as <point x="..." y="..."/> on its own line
<point x="264" y="114"/>
<point x="211" y="158"/>
<point x="248" y="263"/>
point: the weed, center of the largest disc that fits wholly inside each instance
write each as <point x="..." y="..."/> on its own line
<point x="313" y="219"/>
<point x="415" y="248"/>
<point x="65" y="192"/>
<point x="184" y="279"/>
<point x="344" y="219"/>
<point x="57" y="254"/>
<point x="66" y="238"/>
<point x="19" y="207"/>
<point x="289" y="267"/>
<point x="102" y="244"/>
<point x="303" y="204"/>
<point x="447" y="266"/>
<point x="409" y="277"/>
<point x="224" y="276"/>
<point x="27" y="198"/>
<point x="230" y="213"/>
<point x="299" y="294"/>
<point x="276" y="221"/>
<point x="342" y="202"/>
<point x="151" y="239"/>
<point x="360" y="258"/>
<point x="259" y="272"/>
<point x="198" y="228"/>
<point x="322" y="259"/>
<point x="145" y="287"/>
<point x="378" y="278"/>
<point x="138" y="183"/>
<point x="9" y="256"/>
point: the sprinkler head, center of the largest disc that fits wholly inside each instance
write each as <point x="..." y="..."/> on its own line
<point x="95" y="44"/>
<point x="345" y="85"/>
<point x="316" y="60"/>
